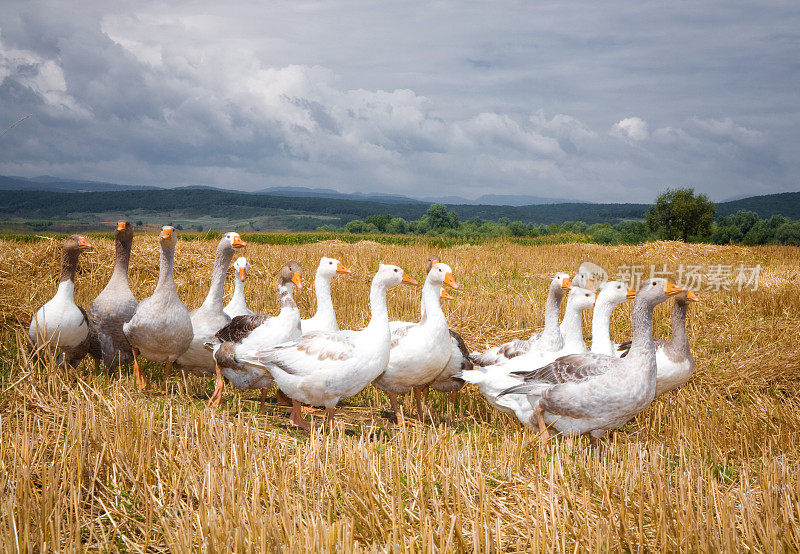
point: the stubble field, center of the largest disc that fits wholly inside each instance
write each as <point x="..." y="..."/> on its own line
<point x="89" y="463"/>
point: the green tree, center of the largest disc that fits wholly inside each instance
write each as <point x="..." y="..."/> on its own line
<point x="679" y="214"/>
<point x="440" y="218"/>
<point x="355" y="226"/>
<point x="789" y="233"/>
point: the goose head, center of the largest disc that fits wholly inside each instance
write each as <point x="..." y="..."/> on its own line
<point x="614" y="293"/>
<point x="168" y="237"/>
<point x="581" y="299"/>
<point x="330" y="268"/>
<point x="240" y="267"/>
<point x="124" y="232"/>
<point x="432" y="259"/>
<point x="686" y="297"/>
<point x="653" y="292"/>
<point x="231" y="241"/>
<point x="76" y="244"/>
<point x="291" y="274"/>
<point x="392" y="275"/>
<point x="560" y="283"/>
<point x="442" y="274"/>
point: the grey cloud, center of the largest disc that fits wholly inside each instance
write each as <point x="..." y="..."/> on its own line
<point x="609" y="103"/>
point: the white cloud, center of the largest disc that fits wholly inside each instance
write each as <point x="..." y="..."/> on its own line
<point x="633" y="128"/>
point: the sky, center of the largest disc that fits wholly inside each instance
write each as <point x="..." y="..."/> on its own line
<point x="599" y="101"/>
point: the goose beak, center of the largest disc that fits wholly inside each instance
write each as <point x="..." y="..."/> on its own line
<point x="408" y="279"/>
<point x="671" y="289"/>
<point x="340" y="268"/>
<point x="297" y="280"/>
<point x="566" y="284"/>
<point x="166" y="233"/>
<point x="595" y="301"/>
<point x="446" y="295"/>
<point x="122" y="225"/>
<point x="450" y="281"/>
<point x="692" y="296"/>
<point x="238" y="242"/>
<point x="242" y="273"/>
<point x="631" y="294"/>
<point x="83" y="244"/>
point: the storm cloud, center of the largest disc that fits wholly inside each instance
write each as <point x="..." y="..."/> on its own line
<point x="606" y="102"/>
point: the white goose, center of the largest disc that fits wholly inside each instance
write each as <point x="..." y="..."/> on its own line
<point x="246" y="334"/>
<point x="61" y="325"/>
<point x="611" y="295"/>
<point x="549" y="340"/>
<point x="321" y="368"/>
<point x="494" y="379"/>
<point x="325" y="318"/>
<point x="674" y="358"/>
<point x="160" y="329"/>
<point x="210" y="317"/>
<point x="419" y="351"/>
<point x="238" y="304"/>
<point x="595" y="393"/>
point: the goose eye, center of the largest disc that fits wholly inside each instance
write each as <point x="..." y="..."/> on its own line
<point x="586" y="295"/>
<point x="330" y="263"/>
<point x="654" y="284"/>
<point x="395" y="271"/>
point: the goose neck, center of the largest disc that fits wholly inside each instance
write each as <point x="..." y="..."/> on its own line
<point x="552" y="308"/>
<point x="286" y="298"/>
<point x="216" y="291"/>
<point x="431" y="306"/>
<point x="69" y="264"/>
<point x="122" y="258"/>
<point x="601" y="319"/>
<point x="322" y="291"/>
<point x="166" y="277"/>
<point x="679" y="339"/>
<point x="642" y="321"/>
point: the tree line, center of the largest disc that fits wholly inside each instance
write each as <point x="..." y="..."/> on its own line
<point x="678" y="214"/>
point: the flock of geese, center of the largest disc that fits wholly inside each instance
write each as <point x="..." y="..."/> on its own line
<point x="549" y="382"/>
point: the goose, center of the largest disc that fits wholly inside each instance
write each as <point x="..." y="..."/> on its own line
<point x="238" y="305"/>
<point x="419" y="351"/>
<point x="325" y="318"/>
<point x="61" y="325"/>
<point x="210" y="317"/>
<point x="251" y="333"/>
<point x="611" y="295"/>
<point x="115" y="305"/>
<point x="595" y="393"/>
<point x="492" y="380"/>
<point x="320" y="368"/>
<point x="549" y="340"/>
<point x="448" y="380"/>
<point x="160" y="329"/>
<point x="674" y="359"/>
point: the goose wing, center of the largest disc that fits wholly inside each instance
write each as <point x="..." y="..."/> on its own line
<point x="313" y="352"/>
<point x="573" y="368"/>
<point x="241" y="326"/>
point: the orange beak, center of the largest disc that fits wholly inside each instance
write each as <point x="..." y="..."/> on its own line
<point x="450" y="281"/>
<point x="242" y="273"/>
<point x="408" y="279"/>
<point x="566" y="284"/>
<point x="446" y="295"/>
<point x="671" y="289"/>
<point x="83" y="244"/>
<point x="122" y="225"/>
<point x="340" y="268"/>
<point x="297" y="280"/>
<point x="631" y="294"/>
<point x="238" y="242"/>
<point x="692" y="296"/>
<point x="166" y="233"/>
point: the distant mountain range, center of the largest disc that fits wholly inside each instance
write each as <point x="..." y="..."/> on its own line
<point x="56" y="184"/>
<point x="50" y="199"/>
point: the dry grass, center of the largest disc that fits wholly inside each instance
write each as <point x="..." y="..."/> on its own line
<point x="88" y="463"/>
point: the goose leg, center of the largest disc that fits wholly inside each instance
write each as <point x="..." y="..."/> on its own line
<point x="282" y="399"/>
<point x="397" y="413"/>
<point x="141" y="380"/>
<point x="544" y="434"/>
<point x="167" y="371"/>
<point x="452" y="395"/>
<point x="216" y="398"/>
<point x="262" y="406"/>
<point x="296" y="419"/>
<point x="418" y="393"/>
